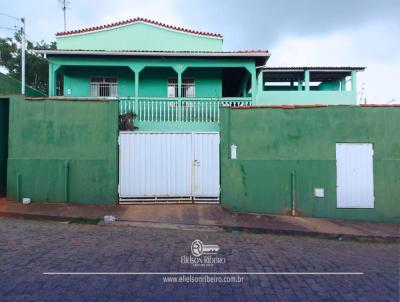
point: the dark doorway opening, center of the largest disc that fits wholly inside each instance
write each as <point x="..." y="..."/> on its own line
<point x="4" y="122"/>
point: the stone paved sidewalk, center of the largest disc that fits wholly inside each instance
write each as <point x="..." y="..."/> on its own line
<point x="195" y="215"/>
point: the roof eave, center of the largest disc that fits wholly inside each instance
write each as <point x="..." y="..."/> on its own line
<point x="153" y="53"/>
<point x="319" y="69"/>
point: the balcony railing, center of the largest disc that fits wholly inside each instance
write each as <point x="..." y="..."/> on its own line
<point x="190" y="110"/>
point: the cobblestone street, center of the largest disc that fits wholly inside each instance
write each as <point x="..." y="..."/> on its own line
<point x="30" y="248"/>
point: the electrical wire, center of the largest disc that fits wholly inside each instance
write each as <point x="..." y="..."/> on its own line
<point x="8" y="28"/>
<point x="13" y="17"/>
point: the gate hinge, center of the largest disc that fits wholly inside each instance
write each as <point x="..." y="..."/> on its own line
<point x="119" y="189"/>
<point x="119" y="140"/>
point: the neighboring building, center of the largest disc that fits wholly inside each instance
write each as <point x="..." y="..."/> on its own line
<point x="134" y="114"/>
<point x="10" y="86"/>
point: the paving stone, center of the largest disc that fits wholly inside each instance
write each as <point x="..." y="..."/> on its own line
<point x="29" y="248"/>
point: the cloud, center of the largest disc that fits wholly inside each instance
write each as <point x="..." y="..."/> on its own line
<point x="371" y="46"/>
<point x="260" y="23"/>
<point x="341" y="32"/>
<point x="110" y="11"/>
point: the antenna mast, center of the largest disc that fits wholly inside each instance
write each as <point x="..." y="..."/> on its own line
<point x="64" y="6"/>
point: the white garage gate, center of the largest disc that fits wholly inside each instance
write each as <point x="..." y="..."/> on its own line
<point x="173" y="167"/>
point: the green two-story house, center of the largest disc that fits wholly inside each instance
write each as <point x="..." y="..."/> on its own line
<point x="172" y="82"/>
<point x="176" y="79"/>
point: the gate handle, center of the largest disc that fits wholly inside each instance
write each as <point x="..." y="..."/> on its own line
<point x="196" y="163"/>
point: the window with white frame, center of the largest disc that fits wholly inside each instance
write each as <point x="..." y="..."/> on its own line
<point x="188" y="88"/>
<point x="104" y="86"/>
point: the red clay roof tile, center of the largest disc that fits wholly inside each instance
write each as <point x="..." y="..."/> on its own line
<point x="115" y="24"/>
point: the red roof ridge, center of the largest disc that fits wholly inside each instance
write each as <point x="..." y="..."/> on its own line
<point x="134" y="20"/>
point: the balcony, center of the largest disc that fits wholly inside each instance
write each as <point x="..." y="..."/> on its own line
<point x="153" y="113"/>
<point x="308" y="85"/>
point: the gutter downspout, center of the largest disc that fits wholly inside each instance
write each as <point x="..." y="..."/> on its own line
<point x="66" y="172"/>
<point x="293" y="191"/>
<point x="18" y="187"/>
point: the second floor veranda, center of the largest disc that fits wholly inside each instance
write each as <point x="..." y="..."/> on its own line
<point x="162" y="93"/>
<point x="308" y="85"/>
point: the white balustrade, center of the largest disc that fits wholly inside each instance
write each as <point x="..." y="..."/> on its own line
<point x="172" y="110"/>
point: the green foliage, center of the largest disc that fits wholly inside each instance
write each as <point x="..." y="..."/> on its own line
<point x="36" y="68"/>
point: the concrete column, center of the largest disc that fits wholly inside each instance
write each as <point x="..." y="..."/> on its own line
<point x="137" y="75"/>
<point x="253" y="85"/>
<point x="307" y="80"/>
<point x="179" y="95"/>
<point x="51" y="76"/>
<point x="299" y="85"/>
<point x="243" y="85"/>
<point x="136" y="101"/>
<point x="343" y="84"/>
<point x="53" y="79"/>
<point x="261" y="81"/>
<point x="136" y="69"/>
<point x="354" y="81"/>
<point x="179" y="84"/>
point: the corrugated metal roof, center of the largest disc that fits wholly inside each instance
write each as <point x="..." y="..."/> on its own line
<point x="316" y="68"/>
<point x="136" y="20"/>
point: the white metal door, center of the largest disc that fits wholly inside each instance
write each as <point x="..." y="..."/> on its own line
<point x="155" y="164"/>
<point x="355" y="180"/>
<point x="206" y="165"/>
<point x="168" y="165"/>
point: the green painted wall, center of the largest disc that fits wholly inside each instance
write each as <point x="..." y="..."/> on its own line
<point x="45" y="135"/>
<point x="274" y="142"/>
<point x="307" y="97"/>
<point x="153" y="81"/>
<point x="206" y="70"/>
<point x="208" y="81"/>
<point x="9" y="85"/>
<point x="4" y="105"/>
<point x="139" y="36"/>
<point x="77" y="79"/>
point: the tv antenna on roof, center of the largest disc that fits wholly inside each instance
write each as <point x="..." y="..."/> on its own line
<point x="64" y="4"/>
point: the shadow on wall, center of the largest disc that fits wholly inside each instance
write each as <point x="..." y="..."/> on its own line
<point x="4" y="109"/>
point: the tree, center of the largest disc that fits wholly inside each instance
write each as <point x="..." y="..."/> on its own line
<point x="36" y="74"/>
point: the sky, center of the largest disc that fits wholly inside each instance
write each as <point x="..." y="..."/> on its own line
<point x="297" y="33"/>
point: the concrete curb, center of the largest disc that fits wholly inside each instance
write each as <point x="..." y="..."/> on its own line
<point x="228" y="228"/>
<point x="213" y="228"/>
